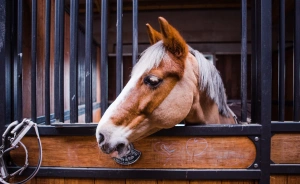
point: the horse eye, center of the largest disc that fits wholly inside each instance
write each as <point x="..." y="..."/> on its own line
<point x="152" y="81"/>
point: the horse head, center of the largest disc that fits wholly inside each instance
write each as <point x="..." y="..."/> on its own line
<point x="167" y="85"/>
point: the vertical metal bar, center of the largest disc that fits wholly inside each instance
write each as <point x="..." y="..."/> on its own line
<point x="104" y="59"/>
<point x="33" y="59"/>
<point x="265" y="78"/>
<point x="254" y="61"/>
<point x="119" y="63"/>
<point x="74" y="61"/>
<point x="18" y="70"/>
<point x="59" y="61"/>
<point x="88" y="61"/>
<point x="134" y="32"/>
<point x="3" y="71"/>
<point x="47" y="61"/>
<point x="281" y="61"/>
<point x="297" y="62"/>
<point x="7" y="18"/>
<point x="244" y="61"/>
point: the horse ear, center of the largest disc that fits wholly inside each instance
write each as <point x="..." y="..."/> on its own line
<point x="172" y="40"/>
<point x="154" y="36"/>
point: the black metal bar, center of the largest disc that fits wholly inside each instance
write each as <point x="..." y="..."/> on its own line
<point x="59" y="61"/>
<point x="244" y="61"/>
<point x="18" y="71"/>
<point x="3" y="48"/>
<point x="285" y="127"/>
<point x="207" y="130"/>
<point x="73" y="61"/>
<point x="6" y="48"/>
<point x="285" y="169"/>
<point x="254" y="61"/>
<point x="47" y="61"/>
<point x="33" y="58"/>
<point x="88" y="61"/>
<point x="265" y="77"/>
<point x="297" y="62"/>
<point x="281" y="61"/>
<point x="135" y="50"/>
<point x="119" y="63"/>
<point x="117" y="173"/>
<point x="104" y="58"/>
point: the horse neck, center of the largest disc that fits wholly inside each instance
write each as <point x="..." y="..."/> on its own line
<point x="204" y="110"/>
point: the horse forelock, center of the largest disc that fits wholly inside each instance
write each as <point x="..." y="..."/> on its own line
<point x="211" y="81"/>
<point x="150" y="58"/>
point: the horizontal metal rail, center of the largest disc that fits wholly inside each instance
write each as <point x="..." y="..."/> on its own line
<point x="207" y="130"/>
<point x="175" y="174"/>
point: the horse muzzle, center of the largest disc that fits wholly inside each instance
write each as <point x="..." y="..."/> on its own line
<point x="116" y="150"/>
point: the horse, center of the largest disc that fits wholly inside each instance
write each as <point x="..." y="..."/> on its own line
<point x="170" y="83"/>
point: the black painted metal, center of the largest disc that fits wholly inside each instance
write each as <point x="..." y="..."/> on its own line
<point x="88" y="61"/>
<point x="3" y="52"/>
<point x="254" y="61"/>
<point x="104" y="58"/>
<point x="209" y="130"/>
<point x="47" y="61"/>
<point x="33" y="58"/>
<point x="135" y="45"/>
<point x="18" y="105"/>
<point x="297" y="62"/>
<point x="281" y="60"/>
<point x="285" y="127"/>
<point x="119" y="58"/>
<point x="244" y="53"/>
<point x="285" y="169"/>
<point x="59" y="61"/>
<point x="265" y="66"/>
<point x="74" y="61"/>
<point x="175" y="174"/>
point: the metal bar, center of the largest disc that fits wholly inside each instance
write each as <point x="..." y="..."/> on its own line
<point x="18" y="71"/>
<point x="174" y="174"/>
<point x="119" y="63"/>
<point x="60" y="129"/>
<point x="33" y="58"/>
<point x="254" y="61"/>
<point x="47" y="61"/>
<point x="285" y="127"/>
<point x="285" y="169"/>
<point x="3" y="48"/>
<point x="244" y="61"/>
<point x="297" y="62"/>
<point x="265" y="70"/>
<point x="281" y="61"/>
<point x="134" y="32"/>
<point x="104" y="58"/>
<point x="59" y="61"/>
<point x="6" y="18"/>
<point x="74" y="61"/>
<point x="88" y="61"/>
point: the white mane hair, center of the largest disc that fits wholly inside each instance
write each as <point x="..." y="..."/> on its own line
<point x="209" y="77"/>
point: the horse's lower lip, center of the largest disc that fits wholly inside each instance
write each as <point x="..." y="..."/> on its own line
<point x="114" y="154"/>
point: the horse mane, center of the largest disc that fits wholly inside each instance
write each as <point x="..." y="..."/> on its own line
<point x="209" y="77"/>
<point x="211" y="81"/>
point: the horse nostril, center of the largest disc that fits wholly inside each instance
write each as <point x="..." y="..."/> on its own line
<point x="120" y="147"/>
<point x="101" y="138"/>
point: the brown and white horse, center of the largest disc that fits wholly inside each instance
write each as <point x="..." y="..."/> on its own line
<point x="170" y="83"/>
